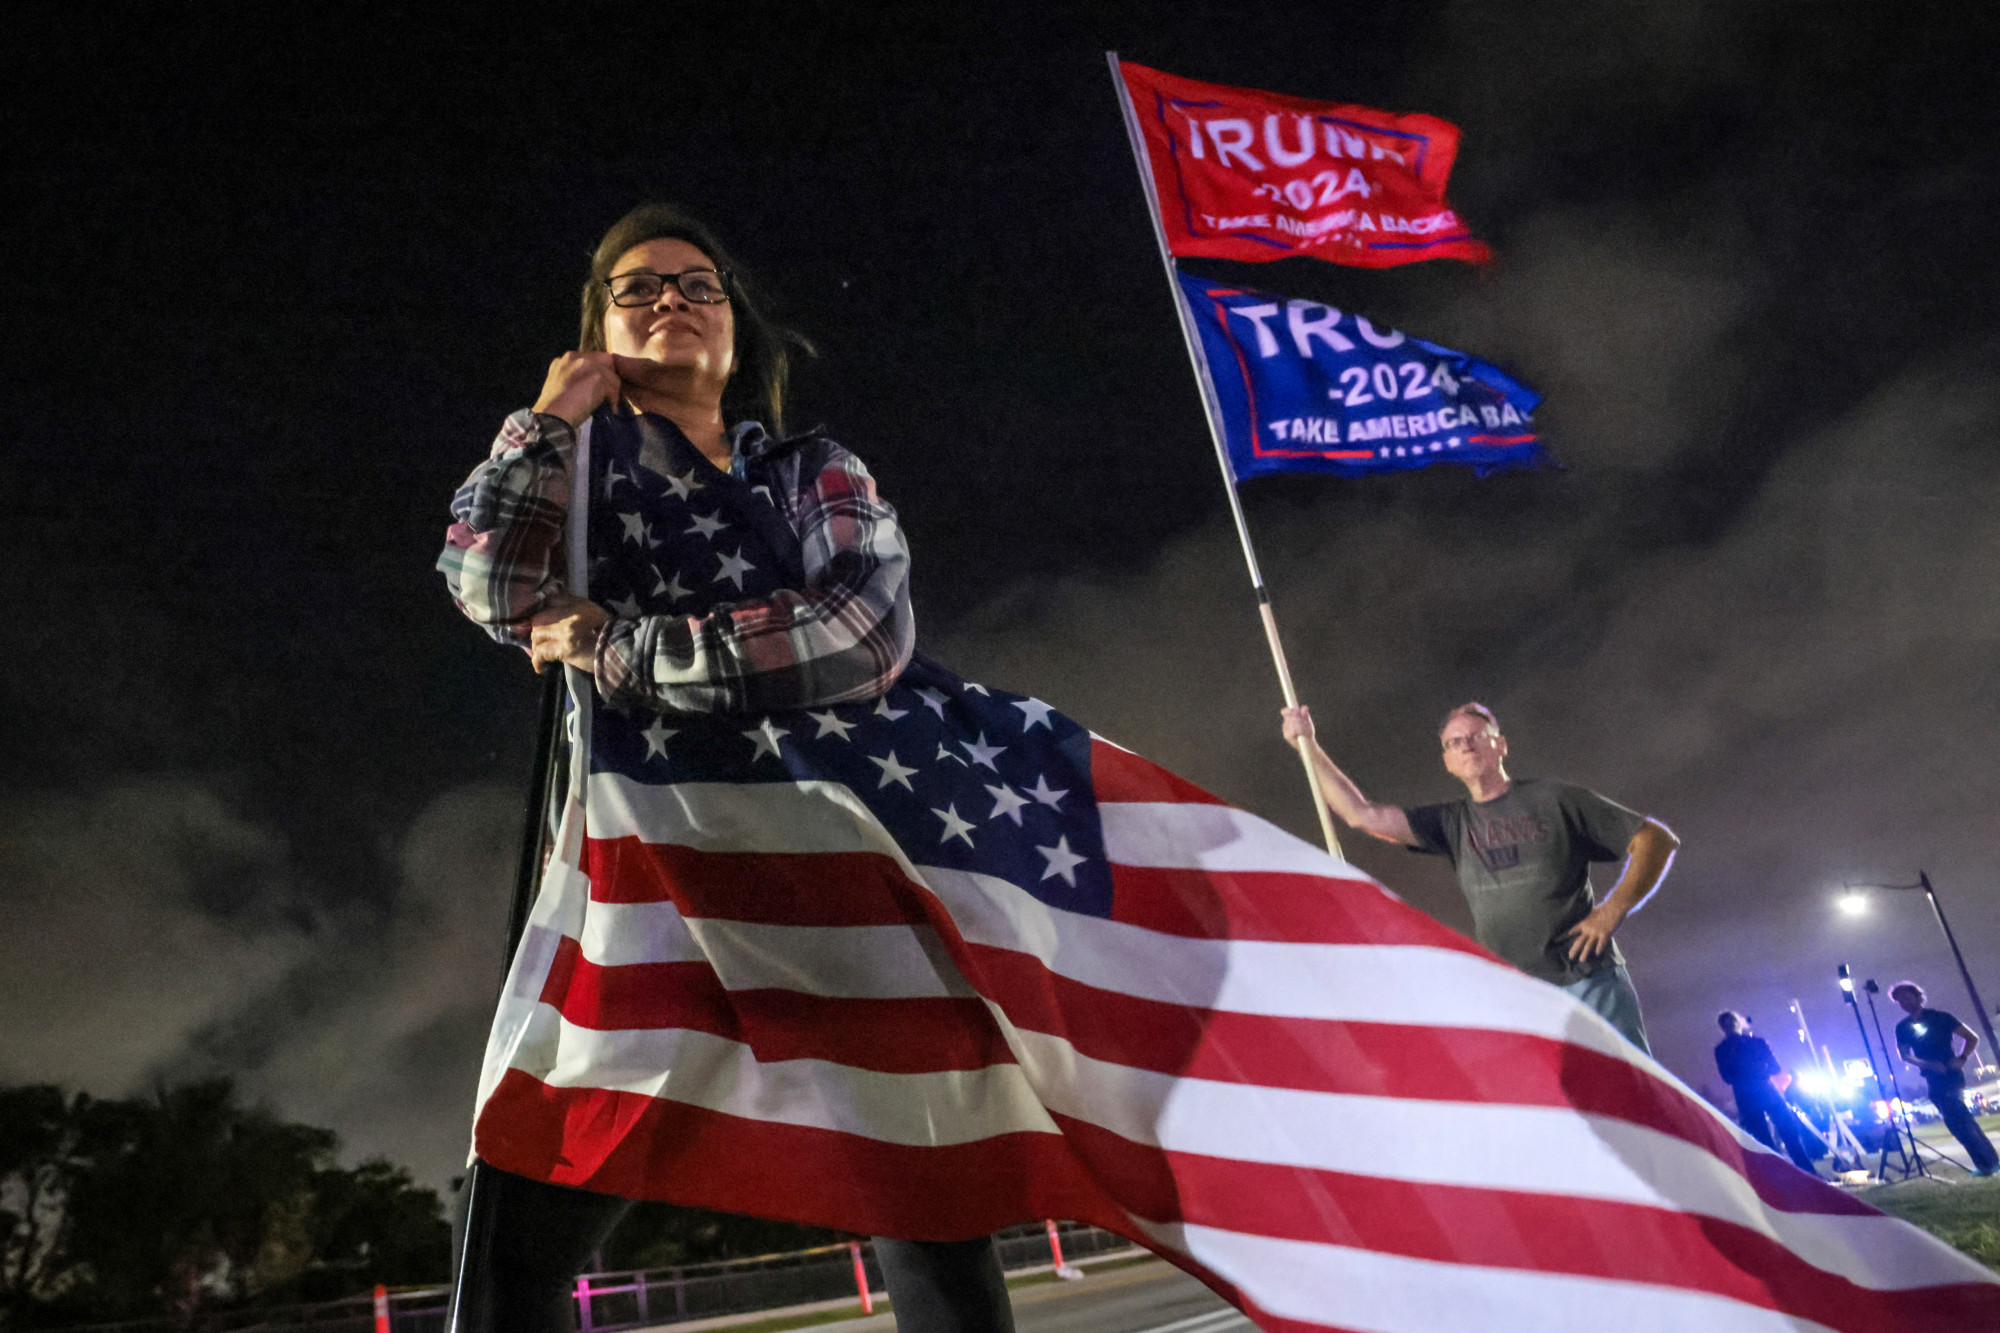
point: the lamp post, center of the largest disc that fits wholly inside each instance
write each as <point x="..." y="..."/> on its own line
<point x="1853" y="903"/>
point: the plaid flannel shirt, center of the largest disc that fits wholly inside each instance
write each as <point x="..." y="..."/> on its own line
<point x="845" y="635"/>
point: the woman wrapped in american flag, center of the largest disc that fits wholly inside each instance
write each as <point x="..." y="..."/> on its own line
<point x="734" y="571"/>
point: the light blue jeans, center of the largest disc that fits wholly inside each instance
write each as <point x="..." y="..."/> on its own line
<point x="1610" y="993"/>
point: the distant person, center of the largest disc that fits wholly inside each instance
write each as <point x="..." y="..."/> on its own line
<point x="1522" y="849"/>
<point x="1928" y="1039"/>
<point x="1747" y="1066"/>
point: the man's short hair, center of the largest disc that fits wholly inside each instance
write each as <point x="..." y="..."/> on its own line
<point x="1902" y="986"/>
<point x="1478" y="710"/>
<point x="1723" y="1019"/>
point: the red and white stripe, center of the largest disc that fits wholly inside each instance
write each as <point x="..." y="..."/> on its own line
<point x="1340" y="1114"/>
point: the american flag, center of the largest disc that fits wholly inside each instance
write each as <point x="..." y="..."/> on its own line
<point x="945" y="962"/>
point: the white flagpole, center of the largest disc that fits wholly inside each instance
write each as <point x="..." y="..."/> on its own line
<point x="1213" y="410"/>
<point x="577" y="535"/>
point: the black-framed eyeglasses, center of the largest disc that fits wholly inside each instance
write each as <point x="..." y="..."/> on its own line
<point x="703" y="286"/>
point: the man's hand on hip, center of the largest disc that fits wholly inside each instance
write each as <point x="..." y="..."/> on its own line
<point x="1592" y="935"/>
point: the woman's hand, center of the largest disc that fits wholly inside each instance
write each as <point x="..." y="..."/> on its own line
<point x="1298" y="724"/>
<point x="578" y="383"/>
<point x="565" y="632"/>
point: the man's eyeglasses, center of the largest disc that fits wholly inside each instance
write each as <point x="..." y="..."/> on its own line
<point x="1463" y="742"/>
<point x="703" y="286"/>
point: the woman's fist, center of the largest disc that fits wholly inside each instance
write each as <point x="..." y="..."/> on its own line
<point x="578" y="383"/>
<point x="565" y="632"/>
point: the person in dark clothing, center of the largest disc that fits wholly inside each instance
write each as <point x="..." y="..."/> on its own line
<point x="1747" y="1066"/>
<point x="1928" y="1039"/>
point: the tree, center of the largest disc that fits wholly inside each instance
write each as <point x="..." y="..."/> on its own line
<point x="191" y="1201"/>
<point x="40" y="1138"/>
<point x="186" y="1201"/>
<point x="373" y="1224"/>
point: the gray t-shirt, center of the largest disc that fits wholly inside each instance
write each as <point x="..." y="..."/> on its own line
<point x="1523" y="861"/>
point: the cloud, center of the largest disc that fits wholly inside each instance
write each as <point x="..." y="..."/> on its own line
<point x="155" y="933"/>
<point x="1628" y="328"/>
<point x="393" y="1063"/>
<point x="134" y="915"/>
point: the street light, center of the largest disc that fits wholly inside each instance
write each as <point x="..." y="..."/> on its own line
<point x="1853" y="903"/>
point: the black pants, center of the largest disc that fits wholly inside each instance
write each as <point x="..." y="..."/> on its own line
<point x="1948" y="1095"/>
<point x="518" y="1274"/>
<point x="1765" y="1114"/>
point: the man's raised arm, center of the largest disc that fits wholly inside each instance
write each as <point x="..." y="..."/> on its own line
<point x="1387" y="822"/>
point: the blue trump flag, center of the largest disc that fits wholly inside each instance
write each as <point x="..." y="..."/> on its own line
<point x="1304" y="387"/>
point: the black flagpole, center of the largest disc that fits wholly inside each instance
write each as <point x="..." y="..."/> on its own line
<point x="476" y="1234"/>
<point x="535" y="828"/>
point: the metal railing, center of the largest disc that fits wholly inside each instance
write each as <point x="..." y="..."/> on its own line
<point x="639" y="1299"/>
<point x="647" y="1297"/>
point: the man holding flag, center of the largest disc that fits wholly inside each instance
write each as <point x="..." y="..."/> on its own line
<point x="1522" y="849"/>
<point x="1295" y="385"/>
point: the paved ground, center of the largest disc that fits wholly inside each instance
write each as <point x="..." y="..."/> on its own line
<point x="1151" y="1297"/>
<point x="1935" y="1132"/>
<point x="1935" y="1136"/>
<point x="1146" y="1297"/>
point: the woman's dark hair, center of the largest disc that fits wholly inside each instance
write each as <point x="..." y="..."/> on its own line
<point x="763" y="350"/>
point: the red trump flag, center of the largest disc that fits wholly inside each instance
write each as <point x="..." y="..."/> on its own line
<point x="1242" y="174"/>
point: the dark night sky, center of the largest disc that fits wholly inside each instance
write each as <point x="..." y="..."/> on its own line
<point x="272" y="282"/>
